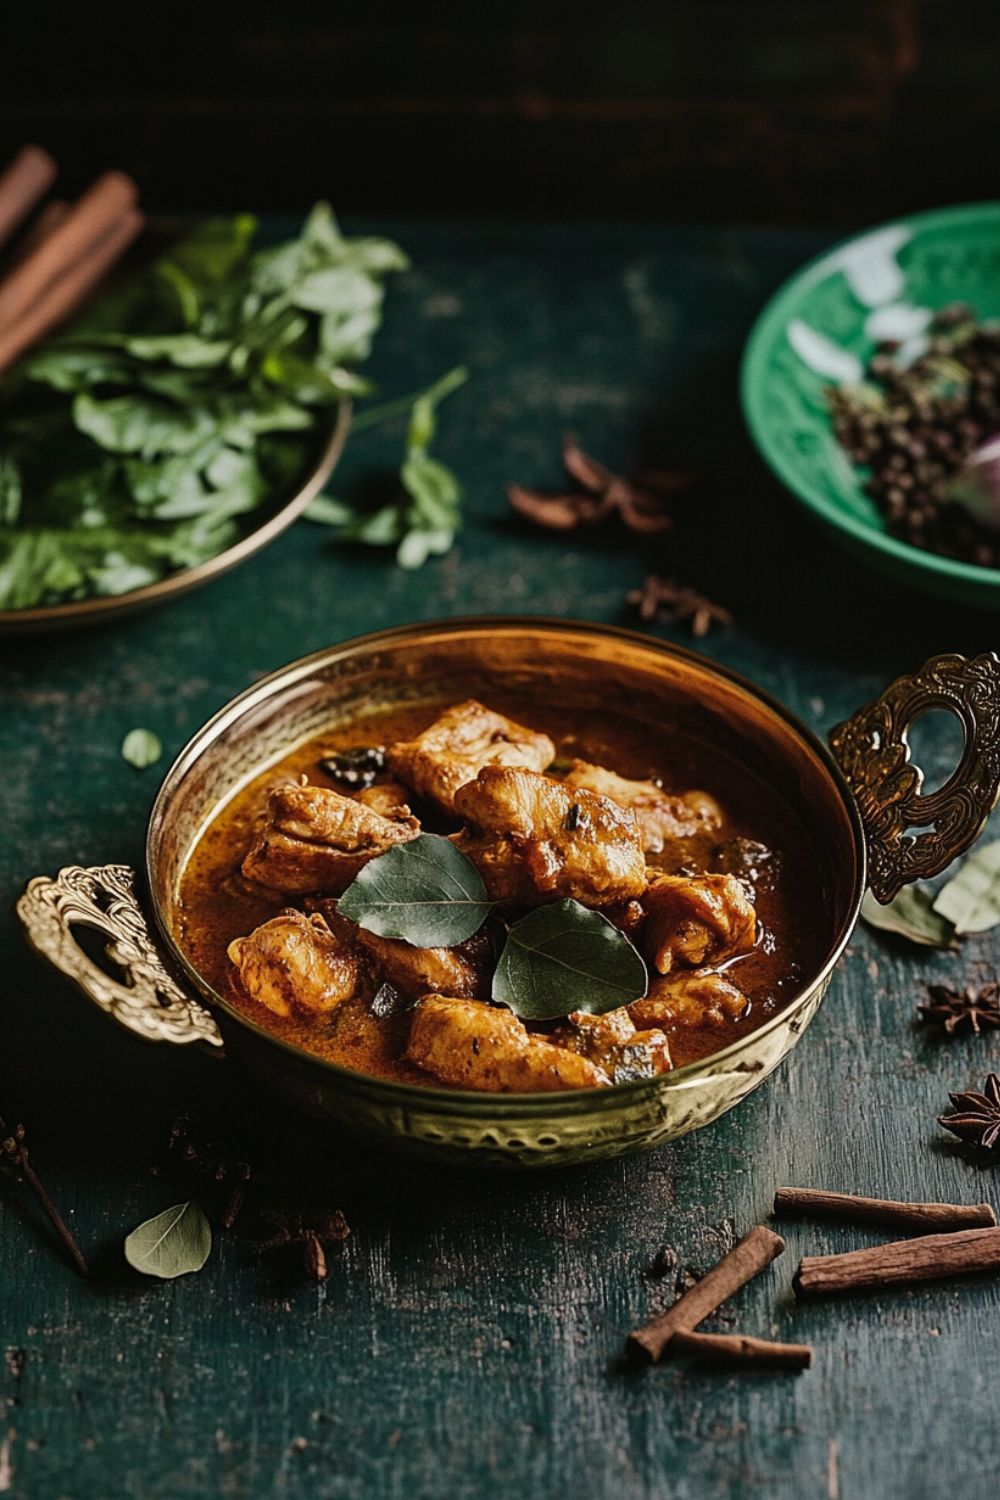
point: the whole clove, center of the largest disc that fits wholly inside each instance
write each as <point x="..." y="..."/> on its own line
<point x="665" y="598"/>
<point x="14" y="1154"/>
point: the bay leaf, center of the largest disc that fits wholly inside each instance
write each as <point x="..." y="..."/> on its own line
<point x="910" y="915"/>
<point x="564" y="957"/>
<point x="971" y="899"/>
<point x="173" y="1243"/>
<point x="141" y="748"/>
<point x="425" y="892"/>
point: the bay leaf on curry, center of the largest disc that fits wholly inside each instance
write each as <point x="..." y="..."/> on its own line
<point x="173" y="1243"/>
<point x="564" y="957"/>
<point x="424" y="891"/>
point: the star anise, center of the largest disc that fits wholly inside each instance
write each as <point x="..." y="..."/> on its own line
<point x="315" y="1232"/>
<point x="641" y="503"/>
<point x="665" y="597"/>
<point x="976" y="1117"/>
<point x="952" y="1009"/>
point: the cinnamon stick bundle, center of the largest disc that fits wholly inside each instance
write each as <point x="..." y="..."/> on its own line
<point x="740" y="1348"/>
<point x="928" y="1216"/>
<point x="747" y="1259"/>
<point x="26" y="180"/>
<point x="930" y="1257"/>
<point x="110" y="200"/>
<point x="67" y="293"/>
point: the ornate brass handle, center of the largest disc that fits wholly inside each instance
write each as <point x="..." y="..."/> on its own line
<point x="151" y="1003"/>
<point x="874" y="755"/>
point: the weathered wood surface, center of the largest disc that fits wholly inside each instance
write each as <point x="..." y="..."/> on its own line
<point x="468" y="1343"/>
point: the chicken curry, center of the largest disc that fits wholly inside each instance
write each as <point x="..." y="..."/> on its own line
<point x="698" y="863"/>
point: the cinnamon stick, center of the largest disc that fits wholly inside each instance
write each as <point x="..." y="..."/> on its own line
<point x="70" y="291"/>
<point x="26" y="180"/>
<point x="928" y="1216"/>
<point x="90" y="219"/>
<point x="739" y="1348"/>
<point x="930" y="1257"/>
<point x="48" y="218"/>
<point x="745" y="1261"/>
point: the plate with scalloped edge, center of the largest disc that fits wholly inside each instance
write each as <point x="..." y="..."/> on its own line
<point x="821" y="327"/>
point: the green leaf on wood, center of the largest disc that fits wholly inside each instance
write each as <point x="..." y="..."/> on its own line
<point x="971" y="899"/>
<point x="910" y="915"/>
<point x="562" y="958"/>
<point x="425" y="892"/>
<point x="172" y="1244"/>
<point x="141" y="748"/>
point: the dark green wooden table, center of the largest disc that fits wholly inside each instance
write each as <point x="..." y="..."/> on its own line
<point x="466" y="1343"/>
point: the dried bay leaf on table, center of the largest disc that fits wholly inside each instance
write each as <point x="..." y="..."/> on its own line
<point x="971" y="899"/>
<point x="173" y="1243"/>
<point x="910" y="915"/>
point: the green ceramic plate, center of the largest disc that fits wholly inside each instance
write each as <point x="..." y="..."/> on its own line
<point x="821" y="327"/>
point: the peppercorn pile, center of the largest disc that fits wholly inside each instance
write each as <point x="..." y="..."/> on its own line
<point x="914" y="427"/>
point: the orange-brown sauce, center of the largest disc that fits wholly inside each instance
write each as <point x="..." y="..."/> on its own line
<point x="216" y="904"/>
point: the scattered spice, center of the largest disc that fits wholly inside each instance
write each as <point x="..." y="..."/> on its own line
<point x="314" y="1232"/>
<point x="14" y="1155"/>
<point x="357" y="767"/>
<point x="754" y="1252"/>
<point x="641" y="503"/>
<point x="914" y="426"/>
<point x="954" y="1009"/>
<point x="739" y="1348"/>
<point x="192" y="1150"/>
<point x="847" y="1206"/>
<point x="666" y="598"/>
<point x="930" y="1257"/>
<point x="976" y="1117"/>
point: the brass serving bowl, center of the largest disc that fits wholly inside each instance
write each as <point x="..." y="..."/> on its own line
<point x="860" y="806"/>
<point x="46" y="617"/>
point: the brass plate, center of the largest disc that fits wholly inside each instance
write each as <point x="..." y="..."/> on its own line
<point x="96" y="611"/>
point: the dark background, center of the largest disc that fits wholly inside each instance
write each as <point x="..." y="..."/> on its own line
<point x="769" y="111"/>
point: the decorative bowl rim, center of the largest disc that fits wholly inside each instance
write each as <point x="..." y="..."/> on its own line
<point x="769" y="327"/>
<point x="417" y="1095"/>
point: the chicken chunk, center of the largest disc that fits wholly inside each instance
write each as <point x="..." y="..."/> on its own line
<point x="295" y="963"/>
<point x="456" y="747"/>
<point x="461" y="971"/>
<point x="688" y="998"/>
<point x="533" y="838"/>
<point x="387" y="798"/>
<point x="663" y="818"/>
<point x="612" y="1042"/>
<point x="313" y="839"/>
<point x="467" y="1044"/>
<point x="696" y="920"/>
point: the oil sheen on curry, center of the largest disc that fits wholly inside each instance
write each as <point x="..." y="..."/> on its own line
<point x="699" y="864"/>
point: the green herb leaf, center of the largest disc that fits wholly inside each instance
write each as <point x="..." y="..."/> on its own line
<point x="424" y="520"/>
<point x="564" y="957"/>
<point x="910" y="915"/>
<point x="425" y="892"/>
<point x="135" y="442"/>
<point x="141" y="748"/>
<point x="971" y="899"/>
<point x="173" y="1243"/>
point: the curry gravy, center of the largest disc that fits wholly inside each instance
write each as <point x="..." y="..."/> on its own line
<point x="217" y="904"/>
